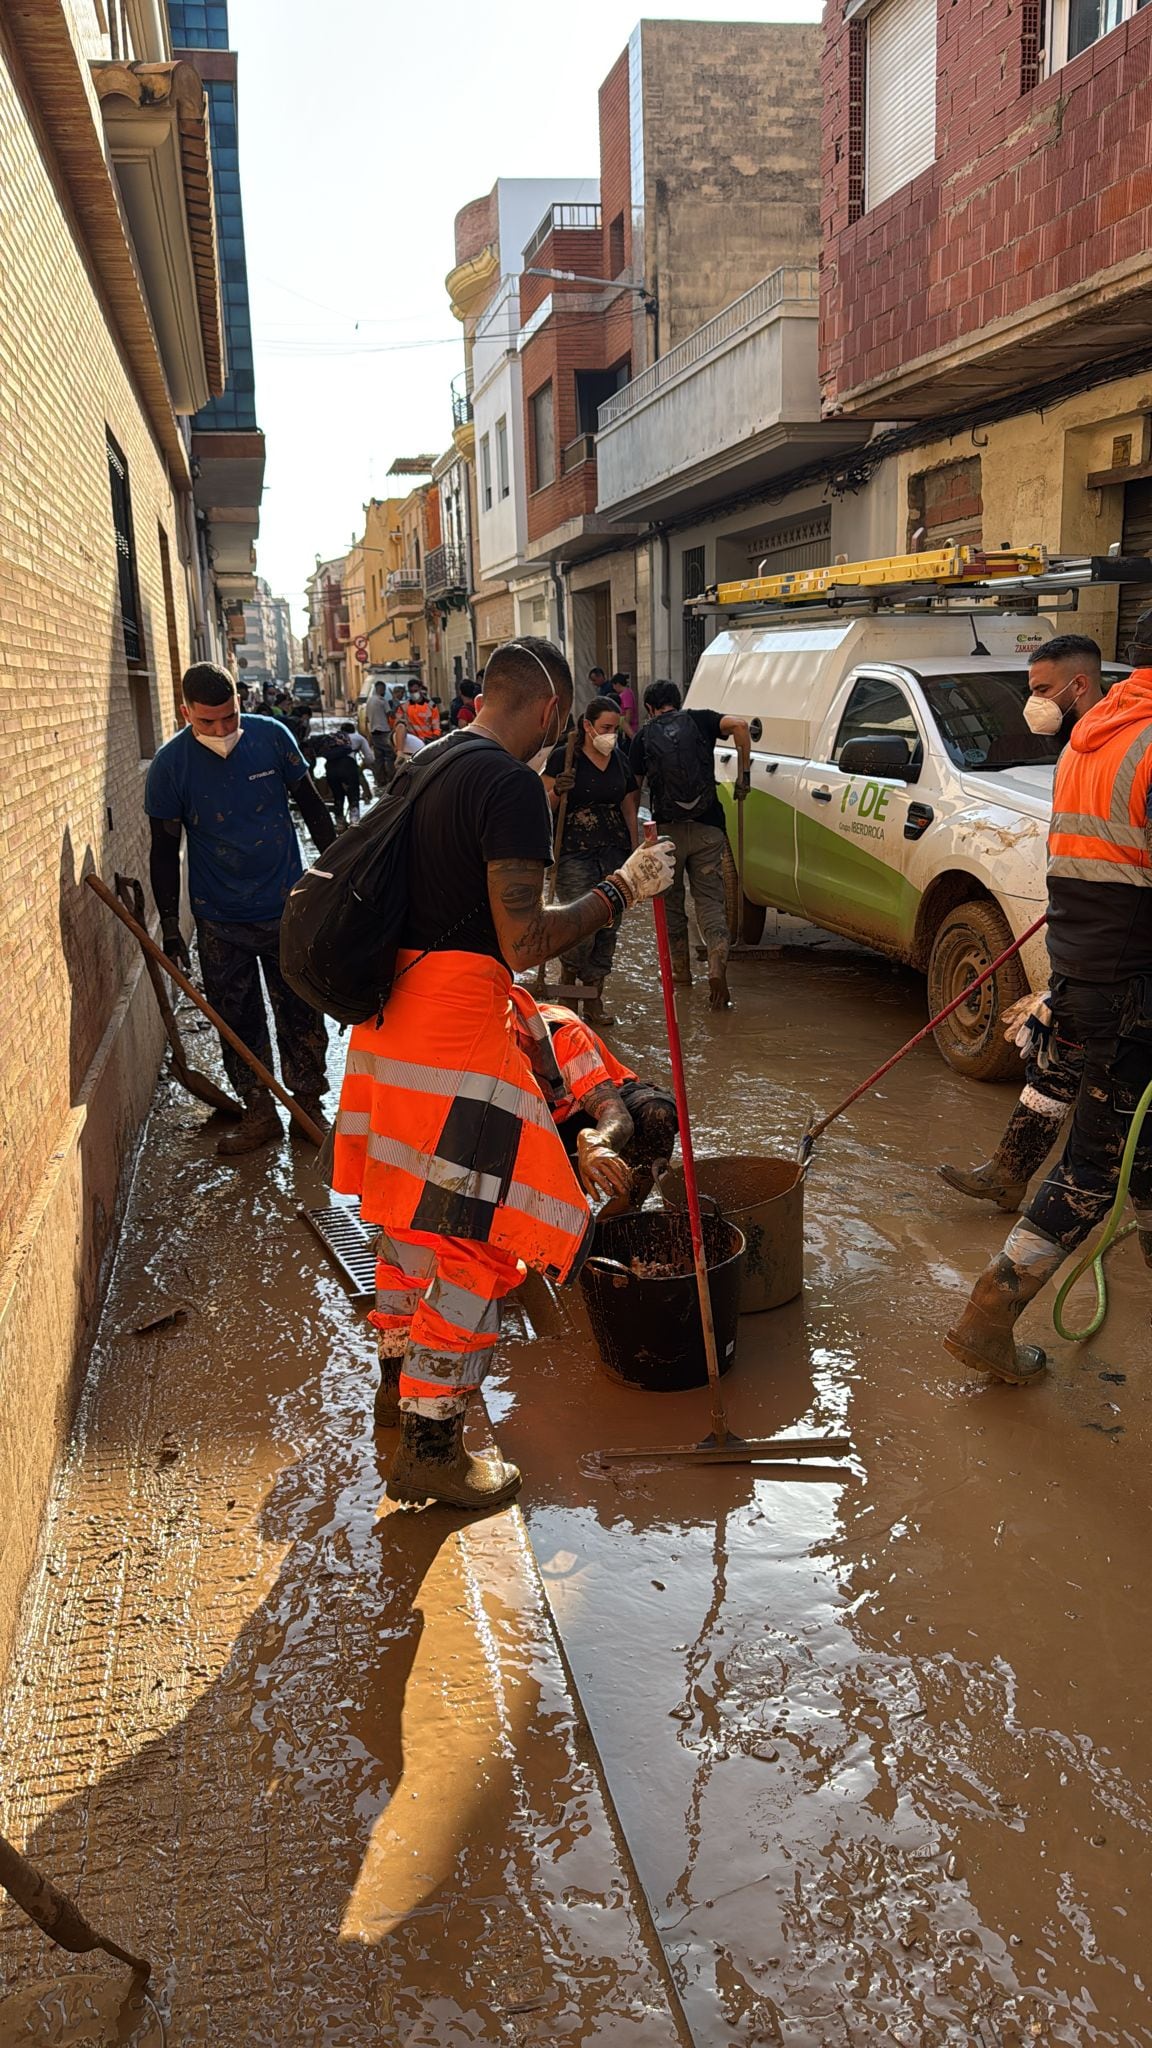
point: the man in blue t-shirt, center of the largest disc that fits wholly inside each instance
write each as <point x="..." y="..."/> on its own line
<point x="225" y="781"/>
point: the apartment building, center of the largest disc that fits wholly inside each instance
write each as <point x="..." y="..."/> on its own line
<point x="672" y="381"/>
<point x="328" y="634"/>
<point x="112" y="341"/>
<point x="512" y="592"/>
<point x="988" y="270"/>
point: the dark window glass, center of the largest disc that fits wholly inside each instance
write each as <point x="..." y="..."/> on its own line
<point x="125" y="552"/>
<point x="543" y="438"/>
<point x="878" y="709"/>
<point x="981" y="720"/>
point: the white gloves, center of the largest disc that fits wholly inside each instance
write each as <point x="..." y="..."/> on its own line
<point x="1030" y="1026"/>
<point x="648" y="871"/>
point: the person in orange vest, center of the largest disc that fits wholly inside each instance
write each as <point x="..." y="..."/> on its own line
<point x="1100" y="947"/>
<point x="615" y="1126"/>
<point x="443" y="1132"/>
<point x="417" y="719"/>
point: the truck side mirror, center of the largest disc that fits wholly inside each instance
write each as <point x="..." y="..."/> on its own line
<point x="880" y="754"/>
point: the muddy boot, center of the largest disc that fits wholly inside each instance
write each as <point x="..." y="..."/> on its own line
<point x="313" y="1106"/>
<point x="431" y="1463"/>
<point x="1144" y="1234"/>
<point x="594" y="1010"/>
<point x="1021" y="1152"/>
<point x="258" y="1126"/>
<point x="718" y="994"/>
<point x="390" y="1349"/>
<point x="983" y="1338"/>
<point x="681" y="967"/>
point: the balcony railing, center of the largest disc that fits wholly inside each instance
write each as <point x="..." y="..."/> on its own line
<point x="782" y="286"/>
<point x="579" y="451"/>
<point x="568" y="215"/>
<point x="445" y="568"/>
<point x="404" y="582"/>
<point x="461" y="402"/>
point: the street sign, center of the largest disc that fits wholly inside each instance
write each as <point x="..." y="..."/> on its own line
<point x="361" y="653"/>
<point x="361" y="640"/>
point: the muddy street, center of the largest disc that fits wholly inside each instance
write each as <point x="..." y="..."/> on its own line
<point x="664" y="1754"/>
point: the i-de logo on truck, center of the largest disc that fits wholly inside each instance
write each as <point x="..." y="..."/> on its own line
<point x="869" y="802"/>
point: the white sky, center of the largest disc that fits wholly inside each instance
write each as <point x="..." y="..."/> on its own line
<point x="364" y="126"/>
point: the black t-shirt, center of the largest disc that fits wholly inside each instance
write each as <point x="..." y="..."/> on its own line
<point x="594" y="821"/>
<point x="707" y="724"/>
<point x="484" y="807"/>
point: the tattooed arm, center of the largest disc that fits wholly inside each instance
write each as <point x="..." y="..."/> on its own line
<point x="603" y="1170"/>
<point x="605" y="1105"/>
<point x="529" y="930"/>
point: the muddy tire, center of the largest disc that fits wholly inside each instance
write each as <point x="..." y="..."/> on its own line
<point x="745" y="919"/>
<point x="972" y="1039"/>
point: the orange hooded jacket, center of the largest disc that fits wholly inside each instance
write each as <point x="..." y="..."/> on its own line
<point x="1100" y="803"/>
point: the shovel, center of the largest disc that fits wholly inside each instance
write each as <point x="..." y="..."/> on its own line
<point x="722" y="1446"/>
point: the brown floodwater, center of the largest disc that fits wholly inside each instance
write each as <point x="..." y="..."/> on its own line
<point x="856" y="1753"/>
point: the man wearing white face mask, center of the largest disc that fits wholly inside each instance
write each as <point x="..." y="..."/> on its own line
<point x="224" y="780"/>
<point x="1064" y="681"/>
<point x="600" y="830"/>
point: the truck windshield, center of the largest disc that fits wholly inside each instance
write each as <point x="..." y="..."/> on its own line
<point x="980" y="717"/>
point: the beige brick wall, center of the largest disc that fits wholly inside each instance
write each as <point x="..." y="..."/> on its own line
<point x="71" y="778"/>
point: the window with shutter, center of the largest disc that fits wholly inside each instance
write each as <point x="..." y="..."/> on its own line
<point x="899" y="96"/>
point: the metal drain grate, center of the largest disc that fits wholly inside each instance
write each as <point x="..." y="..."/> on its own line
<point x="345" y="1239"/>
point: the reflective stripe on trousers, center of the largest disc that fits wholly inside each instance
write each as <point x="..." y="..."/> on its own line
<point x="446" y="1293"/>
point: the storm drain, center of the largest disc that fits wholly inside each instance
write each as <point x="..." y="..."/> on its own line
<point x="346" y="1241"/>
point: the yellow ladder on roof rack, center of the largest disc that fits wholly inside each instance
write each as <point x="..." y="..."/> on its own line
<point x="949" y="568"/>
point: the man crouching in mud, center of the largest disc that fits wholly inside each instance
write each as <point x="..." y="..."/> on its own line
<point x="1100" y="946"/>
<point x="443" y="1132"/>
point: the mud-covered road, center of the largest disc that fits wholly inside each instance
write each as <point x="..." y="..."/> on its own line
<point x="876" y="1740"/>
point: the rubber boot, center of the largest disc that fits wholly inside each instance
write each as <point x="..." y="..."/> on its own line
<point x="1021" y="1152"/>
<point x="431" y="1463"/>
<point x="1144" y="1234"/>
<point x="983" y="1338"/>
<point x="390" y="1348"/>
<point x="594" y="1010"/>
<point x="681" y="966"/>
<point x="258" y="1126"/>
<point x="313" y="1106"/>
<point x="718" y="994"/>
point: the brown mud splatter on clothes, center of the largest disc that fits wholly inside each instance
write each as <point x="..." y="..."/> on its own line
<point x="876" y="1742"/>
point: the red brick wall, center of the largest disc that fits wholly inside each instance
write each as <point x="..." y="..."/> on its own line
<point x="1032" y="192"/>
<point x="615" y="160"/>
<point x="575" y="337"/>
<point x="475" y="227"/>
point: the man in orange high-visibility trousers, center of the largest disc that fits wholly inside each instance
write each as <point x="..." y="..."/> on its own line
<point x="443" y="1132"/>
<point x="1100" y="946"/>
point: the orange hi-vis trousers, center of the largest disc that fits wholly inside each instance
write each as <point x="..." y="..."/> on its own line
<point x="438" y="1304"/>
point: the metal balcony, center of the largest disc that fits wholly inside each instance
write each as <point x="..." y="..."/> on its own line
<point x="569" y="215"/>
<point x="445" y="569"/>
<point x="461" y="401"/>
<point x="401" y="581"/>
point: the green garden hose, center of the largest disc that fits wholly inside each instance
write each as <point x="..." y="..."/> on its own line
<point x="1113" y="1234"/>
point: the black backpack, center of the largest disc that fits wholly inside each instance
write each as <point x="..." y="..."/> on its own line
<point x="343" y="921"/>
<point x="679" y="766"/>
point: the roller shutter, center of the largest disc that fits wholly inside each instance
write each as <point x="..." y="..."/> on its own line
<point x="899" y="95"/>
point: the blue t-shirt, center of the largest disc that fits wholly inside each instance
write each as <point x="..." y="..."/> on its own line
<point x="243" y="853"/>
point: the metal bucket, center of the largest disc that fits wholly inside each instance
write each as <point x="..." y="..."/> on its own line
<point x="764" y="1197"/>
<point x="647" y="1327"/>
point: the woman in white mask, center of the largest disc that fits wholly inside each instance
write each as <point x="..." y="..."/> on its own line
<point x="600" y="830"/>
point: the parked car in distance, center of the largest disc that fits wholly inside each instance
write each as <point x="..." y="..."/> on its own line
<point x="306" y="690"/>
<point x="897" y="797"/>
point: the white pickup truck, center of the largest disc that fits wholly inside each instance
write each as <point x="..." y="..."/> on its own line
<point x="898" y="797"/>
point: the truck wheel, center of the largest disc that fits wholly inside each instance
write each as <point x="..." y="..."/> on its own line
<point x="972" y="1039"/>
<point x="745" y="919"/>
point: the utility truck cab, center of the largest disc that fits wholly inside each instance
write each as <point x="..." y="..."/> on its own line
<point x="897" y="795"/>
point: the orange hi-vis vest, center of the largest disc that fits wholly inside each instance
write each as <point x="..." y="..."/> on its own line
<point x="1100" y="802"/>
<point x="442" y="1128"/>
<point x="571" y="1060"/>
<point x="422" y="719"/>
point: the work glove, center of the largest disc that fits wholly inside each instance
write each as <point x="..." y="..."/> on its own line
<point x="602" y="1170"/>
<point x="172" y="940"/>
<point x="565" y="782"/>
<point x="1032" y="1030"/>
<point x="647" y="872"/>
<point x="742" y="785"/>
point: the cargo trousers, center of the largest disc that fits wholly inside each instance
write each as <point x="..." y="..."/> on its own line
<point x="700" y="851"/>
<point x="232" y="957"/>
<point x="1081" y="1187"/>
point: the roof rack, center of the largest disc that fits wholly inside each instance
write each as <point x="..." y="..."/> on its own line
<point x="951" y="579"/>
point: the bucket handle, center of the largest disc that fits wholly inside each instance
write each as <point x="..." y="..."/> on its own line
<point x="610" y="1265"/>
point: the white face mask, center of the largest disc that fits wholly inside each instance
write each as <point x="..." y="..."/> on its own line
<point x="221" y="743"/>
<point x="604" y="743"/>
<point x="538" y="759"/>
<point x="1043" y="714"/>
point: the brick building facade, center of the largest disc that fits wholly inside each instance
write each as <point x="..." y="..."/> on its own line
<point x="101" y="590"/>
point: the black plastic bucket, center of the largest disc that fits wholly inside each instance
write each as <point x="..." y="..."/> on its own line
<point x="647" y="1328"/>
<point x="763" y="1197"/>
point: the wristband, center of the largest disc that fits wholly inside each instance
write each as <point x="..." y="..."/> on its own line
<point x="614" y="897"/>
